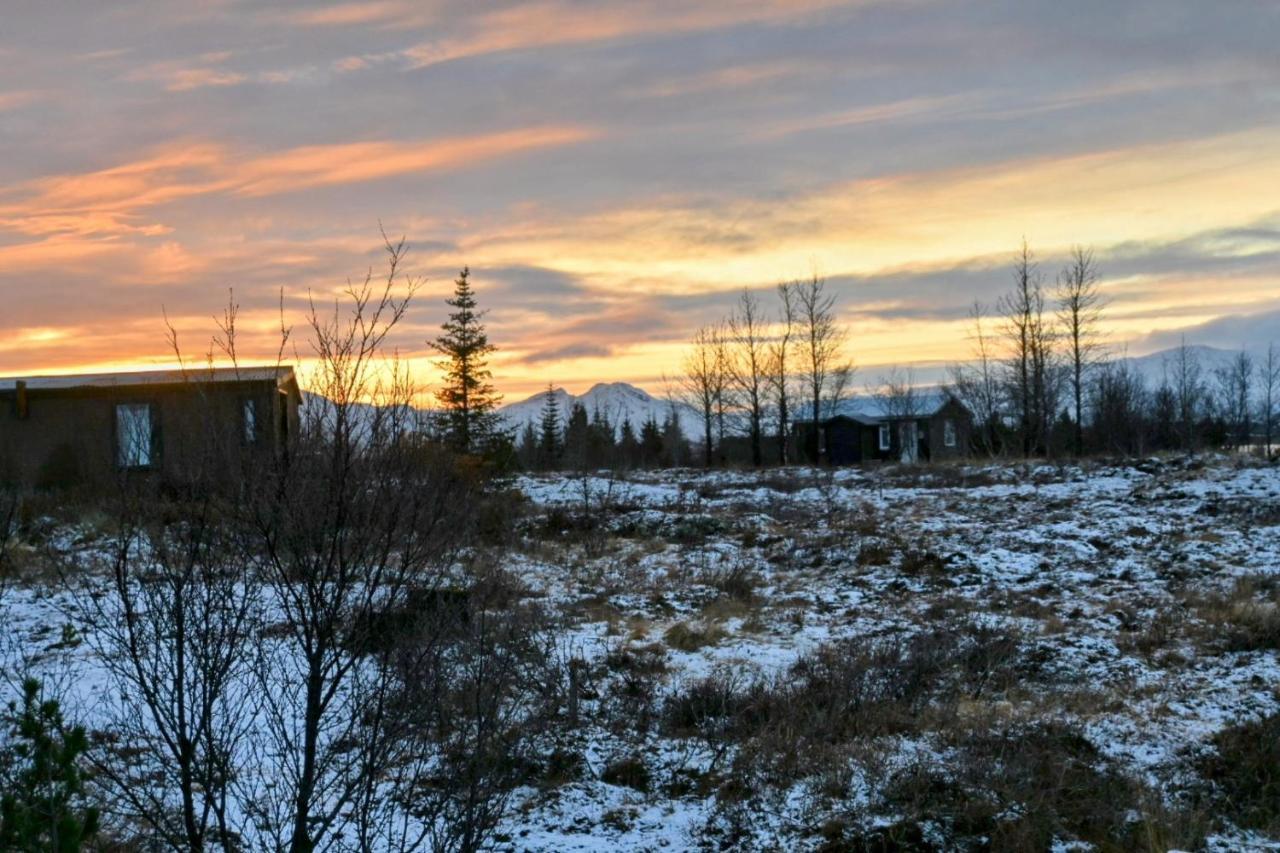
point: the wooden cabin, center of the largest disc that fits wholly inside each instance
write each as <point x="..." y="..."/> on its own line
<point x="58" y="431"/>
<point x="926" y="426"/>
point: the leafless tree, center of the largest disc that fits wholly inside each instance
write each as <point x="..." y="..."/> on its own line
<point x="747" y="365"/>
<point x="1080" y="305"/>
<point x="778" y="359"/>
<point x="174" y="635"/>
<point x="1120" y="401"/>
<point x="1029" y="361"/>
<point x="364" y="515"/>
<point x="1269" y="394"/>
<point x="723" y="384"/>
<point x="822" y="340"/>
<point x="701" y="383"/>
<point x="977" y="384"/>
<point x="1187" y="384"/>
<point x="1235" y="392"/>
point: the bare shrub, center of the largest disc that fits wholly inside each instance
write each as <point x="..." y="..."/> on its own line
<point x="1245" y="773"/>
<point x="629" y="772"/>
<point x="691" y="636"/>
<point x="1245" y="619"/>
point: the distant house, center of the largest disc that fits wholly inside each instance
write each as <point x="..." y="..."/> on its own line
<point x="89" y="429"/>
<point x="929" y="425"/>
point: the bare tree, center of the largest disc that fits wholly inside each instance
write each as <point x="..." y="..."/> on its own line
<point x="821" y="342"/>
<point x="1235" y="390"/>
<point x="174" y="635"/>
<point x="778" y="359"/>
<point x="1188" y="394"/>
<point x="1269" y="394"/>
<point x="701" y="383"/>
<point x="723" y="385"/>
<point x="366" y="515"/>
<point x="899" y="401"/>
<point x="977" y="384"/>
<point x="1029" y="361"/>
<point x="1080" y="307"/>
<point x="1120" y="402"/>
<point x="747" y="366"/>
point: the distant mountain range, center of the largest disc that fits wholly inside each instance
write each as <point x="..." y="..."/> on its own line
<point x="621" y="401"/>
<point x="617" y="401"/>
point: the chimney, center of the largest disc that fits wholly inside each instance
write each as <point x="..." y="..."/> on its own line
<point x="21" y="388"/>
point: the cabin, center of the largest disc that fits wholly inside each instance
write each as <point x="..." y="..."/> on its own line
<point x="927" y="426"/>
<point x="62" y="431"/>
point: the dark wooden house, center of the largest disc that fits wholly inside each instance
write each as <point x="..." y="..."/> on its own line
<point x="927" y="426"/>
<point x="90" y="429"/>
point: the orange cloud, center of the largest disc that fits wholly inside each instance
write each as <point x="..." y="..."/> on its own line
<point x="537" y="25"/>
<point x="110" y="201"/>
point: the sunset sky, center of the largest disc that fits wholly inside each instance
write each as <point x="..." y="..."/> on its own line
<point x="615" y="172"/>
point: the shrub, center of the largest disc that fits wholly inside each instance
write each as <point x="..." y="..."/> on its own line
<point x="689" y="637"/>
<point x="1246" y="773"/>
<point x="629" y="772"/>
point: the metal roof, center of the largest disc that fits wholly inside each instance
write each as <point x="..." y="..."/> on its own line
<point x="131" y="379"/>
<point x="874" y="409"/>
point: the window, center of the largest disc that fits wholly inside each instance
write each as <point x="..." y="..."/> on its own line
<point x="949" y="433"/>
<point x="135" y="436"/>
<point x="885" y="436"/>
<point x="249" y="419"/>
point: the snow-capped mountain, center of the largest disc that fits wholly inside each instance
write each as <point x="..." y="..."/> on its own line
<point x="618" y="401"/>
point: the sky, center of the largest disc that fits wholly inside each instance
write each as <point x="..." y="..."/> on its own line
<point x="616" y="173"/>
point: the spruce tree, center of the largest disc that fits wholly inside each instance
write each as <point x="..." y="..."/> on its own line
<point x="469" y="420"/>
<point x="576" y="437"/>
<point x="628" y="446"/>
<point x="549" y="445"/>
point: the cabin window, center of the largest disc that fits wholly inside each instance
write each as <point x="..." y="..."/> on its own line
<point x="135" y="435"/>
<point x="885" y="437"/>
<point x="249" y="421"/>
<point x="949" y="433"/>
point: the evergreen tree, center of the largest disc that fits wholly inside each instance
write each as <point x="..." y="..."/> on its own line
<point x="43" y="807"/>
<point x="650" y="444"/>
<point x="601" y="449"/>
<point x="527" y="451"/>
<point x="675" y="450"/>
<point x="628" y="446"/>
<point x="549" y="445"/>
<point x="469" y="422"/>
<point x="576" y="438"/>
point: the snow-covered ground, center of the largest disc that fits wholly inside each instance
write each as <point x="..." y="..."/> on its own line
<point x="1128" y="594"/>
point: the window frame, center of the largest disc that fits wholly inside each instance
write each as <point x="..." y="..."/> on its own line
<point x="250" y="425"/>
<point x="950" y="438"/>
<point x="884" y="438"/>
<point x="153" y="436"/>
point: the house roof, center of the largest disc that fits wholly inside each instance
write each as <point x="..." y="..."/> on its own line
<point x="874" y="409"/>
<point x="281" y="375"/>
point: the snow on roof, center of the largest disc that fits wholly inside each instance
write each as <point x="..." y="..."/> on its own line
<point x="149" y="377"/>
<point x="872" y="409"/>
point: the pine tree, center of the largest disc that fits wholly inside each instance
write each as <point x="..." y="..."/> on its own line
<point x="628" y="446"/>
<point x="600" y="442"/>
<point x="549" y="444"/>
<point x="576" y="437"/>
<point x="527" y="451"/>
<point x="43" y="808"/>
<point x="469" y="422"/>
<point x="650" y="443"/>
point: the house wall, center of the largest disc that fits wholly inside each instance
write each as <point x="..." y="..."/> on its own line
<point x="69" y="435"/>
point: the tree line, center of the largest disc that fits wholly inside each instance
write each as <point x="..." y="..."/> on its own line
<point x="1042" y="381"/>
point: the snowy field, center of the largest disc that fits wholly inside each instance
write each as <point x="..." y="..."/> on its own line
<point x="1026" y="657"/>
